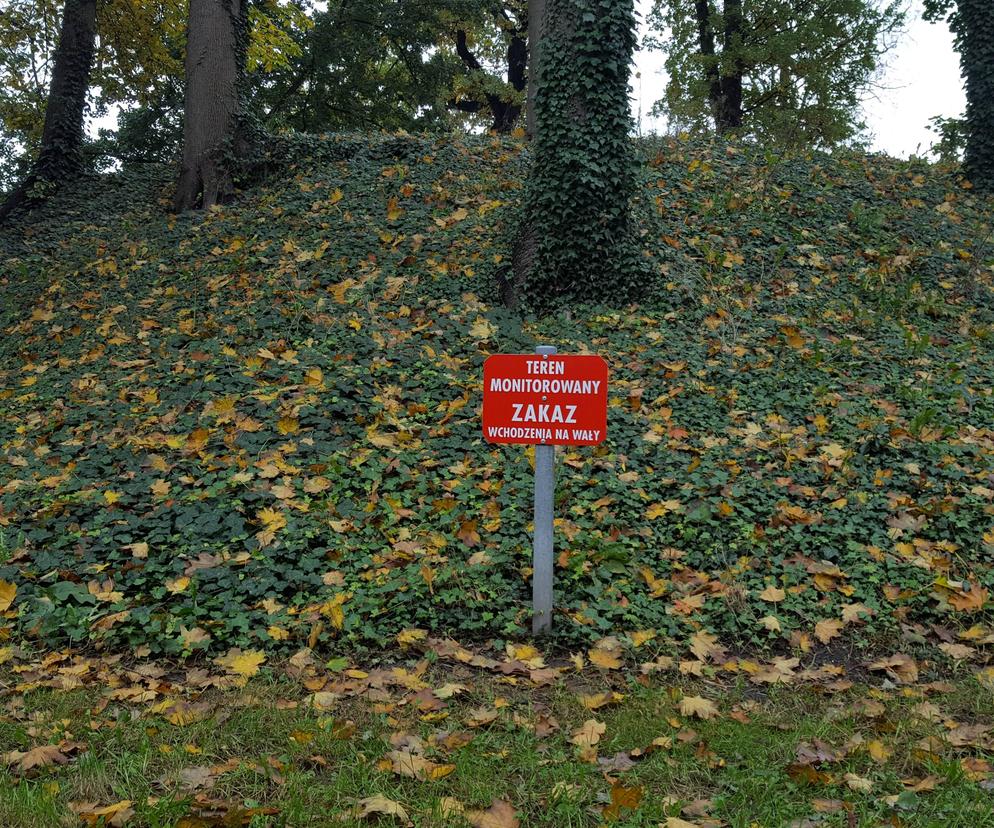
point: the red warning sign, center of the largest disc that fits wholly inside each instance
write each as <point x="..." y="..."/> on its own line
<point x="545" y="399"/>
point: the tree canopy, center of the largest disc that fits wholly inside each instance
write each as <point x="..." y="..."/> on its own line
<point x="788" y="72"/>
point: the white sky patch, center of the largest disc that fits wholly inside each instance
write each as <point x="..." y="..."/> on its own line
<point x="921" y="79"/>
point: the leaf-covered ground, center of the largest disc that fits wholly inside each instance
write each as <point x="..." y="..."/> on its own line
<point x="260" y="427"/>
<point x="448" y="737"/>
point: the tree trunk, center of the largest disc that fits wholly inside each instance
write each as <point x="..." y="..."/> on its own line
<point x="505" y="113"/>
<point x="576" y="240"/>
<point x="724" y="84"/>
<point x="60" y="158"/>
<point x="730" y="117"/>
<point x="536" y="30"/>
<point x="976" y="43"/>
<point x="705" y="42"/>
<point x="215" y="65"/>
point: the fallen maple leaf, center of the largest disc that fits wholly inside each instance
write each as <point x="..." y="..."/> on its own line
<point x="657" y="510"/>
<point x="500" y="814"/>
<point x="640" y="637"/>
<point x="899" y="666"/>
<point x="858" y="783"/>
<point x="7" y="593"/>
<point x="704" y="645"/>
<point x="827" y="629"/>
<point x="589" y="733"/>
<point x="698" y="706"/>
<point x="405" y="638"/>
<point x="878" y="751"/>
<point x="241" y="662"/>
<point x="109" y="815"/>
<point x="38" y="757"/>
<point x="773" y="594"/>
<point x="986" y="678"/>
<point x="606" y="653"/>
<point x="622" y="797"/>
<point x="596" y="701"/>
<point x="380" y="805"/>
<point x="482" y="329"/>
<point x="481" y="717"/>
<point x="405" y="763"/>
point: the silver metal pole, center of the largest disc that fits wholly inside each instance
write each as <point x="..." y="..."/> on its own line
<point x="542" y="551"/>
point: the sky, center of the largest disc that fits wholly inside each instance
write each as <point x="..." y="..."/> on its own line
<point x="921" y="79"/>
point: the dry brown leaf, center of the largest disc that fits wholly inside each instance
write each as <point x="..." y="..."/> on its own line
<point x="827" y="629"/>
<point x="114" y="815"/>
<point x="698" y="706"/>
<point x="500" y="814"/>
<point x="405" y="763"/>
<point x="7" y="593"/>
<point x="704" y="645"/>
<point x="858" y="783"/>
<point x="599" y="700"/>
<point x="481" y="717"/>
<point x="38" y="757"/>
<point x="622" y="797"/>
<point x="381" y="806"/>
<point x="773" y="594"/>
<point x="589" y="734"/>
<point x="899" y="666"/>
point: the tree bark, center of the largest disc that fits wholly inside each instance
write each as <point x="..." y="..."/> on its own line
<point x="215" y="66"/>
<point x="60" y="158"/>
<point x="705" y="42"/>
<point x="536" y="30"/>
<point x="505" y="113"/>
<point x="724" y="84"/>
<point x="731" y="79"/>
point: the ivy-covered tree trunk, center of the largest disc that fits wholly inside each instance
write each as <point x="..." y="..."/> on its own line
<point x="976" y="41"/>
<point x="60" y="158"/>
<point x="576" y="241"/>
<point x="217" y="36"/>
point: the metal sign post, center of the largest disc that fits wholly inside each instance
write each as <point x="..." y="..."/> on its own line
<point x="545" y="399"/>
<point x="542" y="545"/>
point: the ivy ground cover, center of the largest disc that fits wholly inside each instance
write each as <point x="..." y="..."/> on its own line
<point x="259" y="427"/>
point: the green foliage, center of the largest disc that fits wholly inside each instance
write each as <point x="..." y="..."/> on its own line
<point x="578" y="202"/>
<point x="280" y="398"/>
<point x="804" y="70"/>
<point x="952" y="136"/>
<point x="138" y="65"/>
<point x="972" y="24"/>
<point x="370" y="64"/>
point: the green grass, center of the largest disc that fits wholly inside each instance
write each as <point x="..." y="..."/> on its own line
<point x="313" y="767"/>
